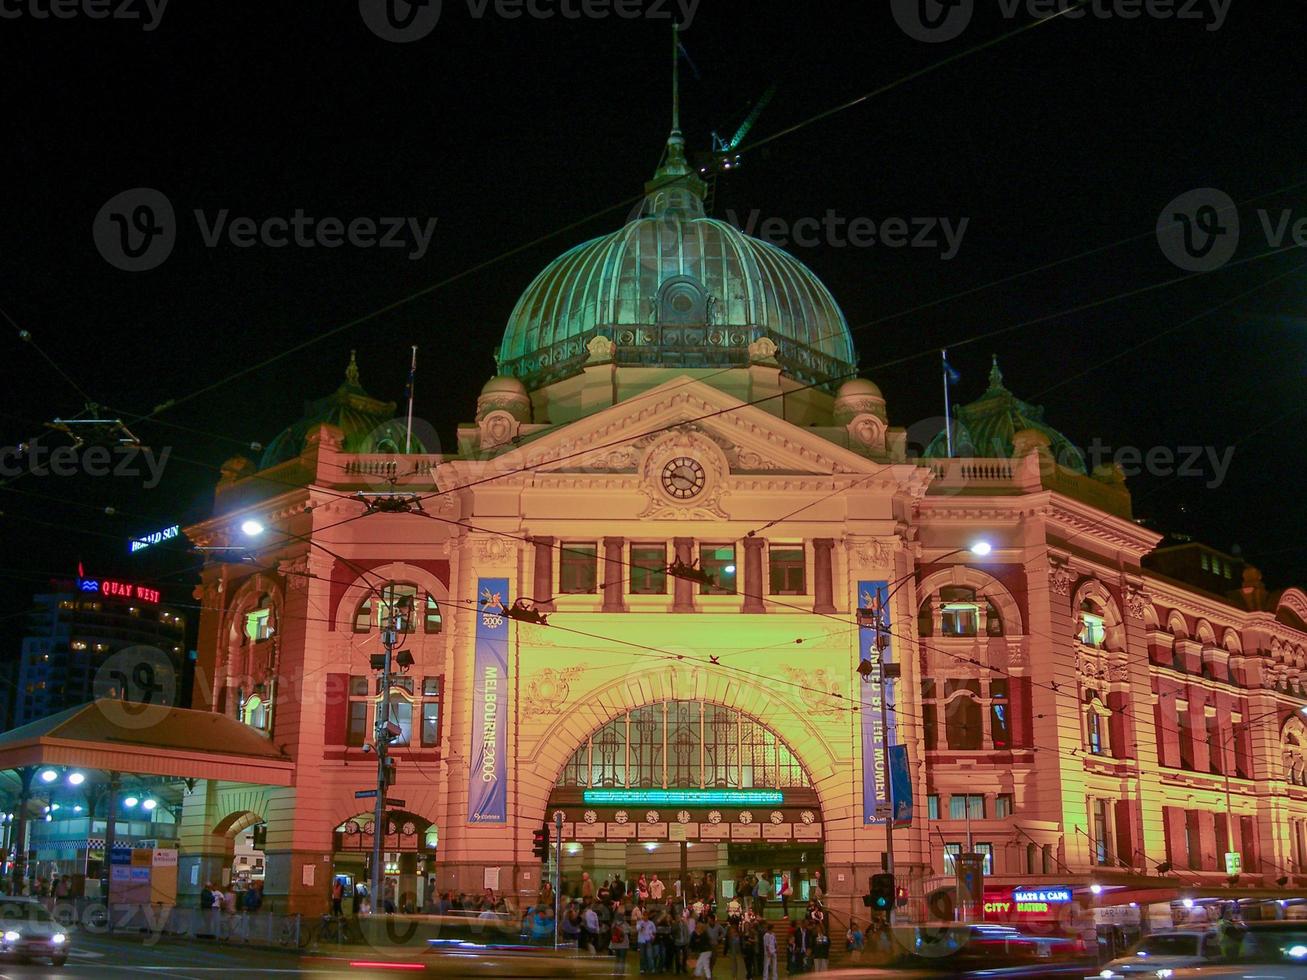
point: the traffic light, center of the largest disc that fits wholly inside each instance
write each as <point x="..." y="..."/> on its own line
<point x="540" y="843"/>
<point x="882" y="892"/>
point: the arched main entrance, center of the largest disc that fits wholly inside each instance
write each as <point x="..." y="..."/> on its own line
<point x="693" y="791"/>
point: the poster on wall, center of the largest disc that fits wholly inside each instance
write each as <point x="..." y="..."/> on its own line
<point x="875" y="781"/>
<point x="488" y="779"/>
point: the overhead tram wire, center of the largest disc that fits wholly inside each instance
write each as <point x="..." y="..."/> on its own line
<point x="593" y="216"/>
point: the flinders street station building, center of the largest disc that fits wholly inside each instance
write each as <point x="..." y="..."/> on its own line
<point x="681" y="586"/>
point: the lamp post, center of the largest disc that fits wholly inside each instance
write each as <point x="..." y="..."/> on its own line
<point x="875" y="618"/>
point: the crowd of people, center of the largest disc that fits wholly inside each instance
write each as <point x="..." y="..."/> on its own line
<point x="667" y="932"/>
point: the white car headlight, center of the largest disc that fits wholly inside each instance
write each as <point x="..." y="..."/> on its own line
<point x="12" y="937"/>
<point x="1164" y="973"/>
<point x="58" y="938"/>
<point x="1106" y="974"/>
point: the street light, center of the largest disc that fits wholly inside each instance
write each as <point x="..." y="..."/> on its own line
<point x="130" y="801"/>
<point x="251" y="528"/>
<point x="76" y="778"/>
<point x="149" y="804"/>
<point x="48" y="775"/>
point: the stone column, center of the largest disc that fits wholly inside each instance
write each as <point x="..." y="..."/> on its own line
<point x="755" y="586"/>
<point x="614" y="575"/>
<point x="683" y="596"/>
<point x="542" y="584"/>
<point x="823" y="571"/>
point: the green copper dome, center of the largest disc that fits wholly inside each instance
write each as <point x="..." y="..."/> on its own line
<point x="675" y="288"/>
<point x="369" y="425"/>
<point x="985" y="428"/>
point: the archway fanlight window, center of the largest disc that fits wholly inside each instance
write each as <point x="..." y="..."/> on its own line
<point x="684" y="745"/>
<point x="1092" y="629"/>
<point x="960" y="613"/>
<point x="254" y="712"/>
<point x="259" y="625"/>
<point x="375" y="610"/>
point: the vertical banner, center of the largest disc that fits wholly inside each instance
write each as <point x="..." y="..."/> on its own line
<point x="875" y="782"/>
<point x="900" y="781"/>
<point x="487" y="791"/>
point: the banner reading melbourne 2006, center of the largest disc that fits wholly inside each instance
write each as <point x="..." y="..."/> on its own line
<point x="487" y="796"/>
<point x="875" y="781"/>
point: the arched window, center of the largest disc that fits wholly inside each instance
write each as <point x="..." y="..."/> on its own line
<point x="1091" y="630"/>
<point x="1097" y="738"/>
<point x="254" y="712"/>
<point x="684" y="745"/>
<point x="960" y="609"/>
<point x="259" y="624"/>
<point x="401" y="600"/>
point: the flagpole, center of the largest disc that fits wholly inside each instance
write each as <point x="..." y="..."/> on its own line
<point x="948" y="417"/>
<point x="412" y="370"/>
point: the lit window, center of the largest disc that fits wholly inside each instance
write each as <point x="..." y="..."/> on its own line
<point x="986" y="851"/>
<point x="432" y="621"/>
<point x="578" y="568"/>
<point x="718" y="561"/>
<point x="1003" y="805"/>
<point x="78" y="644"/>
<point x="431" y="711"/>
<point x="1093" y="630"/>
<point x="394" y="599"/>
<point x="951" y="851"/>
<point x="932" y="807"/>
<point x="254" y="712"/>
<point x="1206" y="562"/>
<point x="258" y="624"/>
<point x="787" y="572"/>
<point x="959" y="613"/>
<point x="648" y="569"/>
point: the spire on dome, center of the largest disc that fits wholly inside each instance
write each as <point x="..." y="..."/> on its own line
<point x="675" y="188"/>
<point x="352" y="371"/>
<point x="995" y="375"/>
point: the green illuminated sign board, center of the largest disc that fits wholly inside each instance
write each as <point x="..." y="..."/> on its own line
<point x="683" y="797"/>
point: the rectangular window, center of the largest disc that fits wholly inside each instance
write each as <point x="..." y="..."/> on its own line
<point x="1003" y="805"/>
<point x="999" y="732"/>
<point x="930" y="726"/>
<point x="1215" y="746"/>
<point x="976" y="804"/>
<point x="1186" y="735"/>
<point x="357" y="730"/>
<point x="932" y="807"/>
<point x="987" y="852"/>
<point x="578" y="568"/>
<point x="1100" y="832"/>
<point x="648" y="569"/>
<point x="430" y="723"/>
<point x="787" y="572"/>
<point x="951" y="851"/>
<point x="401" y="714"/>
<point x="1093" y="731"/>
<point x="957" y="808"/>
<point x="718" y="561"/>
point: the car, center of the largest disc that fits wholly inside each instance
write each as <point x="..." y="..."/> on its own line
<point x="28" y="931"/>
<point x="957" y="950"/>
<point x="1275" y="950"/>
<point x="1165" y="951"/>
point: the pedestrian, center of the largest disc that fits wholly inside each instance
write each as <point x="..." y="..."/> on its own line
<point x="587" y="887"/>
<point x="388" y="896"/>
<point x="681" y="942"/>
<point x="769" y="968"/>
<point x="701" y="949"/>
<point x="785" y="894"/>
<point x="590" y="929"/>
<point x="337" y="896"/>
<point x="856" y="941"/>
<point x="656" y="888"/>
<point x="645" y="931"/>
<point x="619" y="941"/>
<point x="735" y="951"/>
<point x="820" y="952"/>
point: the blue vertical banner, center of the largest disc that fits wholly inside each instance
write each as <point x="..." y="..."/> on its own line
<point x="900" y="781"/>
<point x="487" y="791"/>
<point x="875" y="781"/>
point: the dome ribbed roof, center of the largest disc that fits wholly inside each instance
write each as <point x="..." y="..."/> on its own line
<point x="369" y="425"/>
<point x="985" y="428"/>
<point x="674" y="288"/>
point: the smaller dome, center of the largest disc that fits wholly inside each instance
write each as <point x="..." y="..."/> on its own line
<point x="503" y="384"/>
<point x="504" y="393"/>
<point x="858" y="396"/>
<point x="859" y="387"/>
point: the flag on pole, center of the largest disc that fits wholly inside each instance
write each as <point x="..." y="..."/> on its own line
<point x="950" y="375"/>
<point x="408" y="394"/>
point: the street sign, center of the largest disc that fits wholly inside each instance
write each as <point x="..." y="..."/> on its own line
<point x="390" y="802"/>
<point x="365" y="794"/>
<point x="1233" y="863"/>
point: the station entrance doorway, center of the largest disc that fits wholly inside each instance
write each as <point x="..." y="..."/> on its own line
<point x="700" y="794"/>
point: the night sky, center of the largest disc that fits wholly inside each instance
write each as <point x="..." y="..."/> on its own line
<point x="1065" y="139"/>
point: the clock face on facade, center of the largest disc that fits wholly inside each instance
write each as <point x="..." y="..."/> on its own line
<point x="683" y="477"/>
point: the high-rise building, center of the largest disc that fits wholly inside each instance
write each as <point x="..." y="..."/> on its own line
<point x="74" y="643"/>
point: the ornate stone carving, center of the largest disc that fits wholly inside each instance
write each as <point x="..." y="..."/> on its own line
<point x="816" y="689"/>
<point x="296" y="572"/>
<point x="762" y="351"/>
<point x="746" y="459"/>
<point x="867" y="430"/>
<point x="689" y="441"/>
<point x="1135" y="603"/>
<point x="547" y="690"/>
<point x="494" y="549"/>
<point x="1060" y="579"/>
<point x="878" y="552"/>
<point x="498" y="428"/>
<point x="601" y="349"/>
